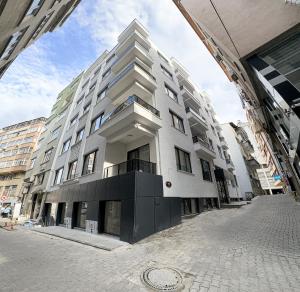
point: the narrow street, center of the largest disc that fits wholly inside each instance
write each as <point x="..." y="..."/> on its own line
<point x="254" y="248"/>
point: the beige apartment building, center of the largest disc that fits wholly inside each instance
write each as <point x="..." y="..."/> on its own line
<point x="257" y="44"/>
<point x="23" y="22"/>
<point x="17" y="142"/>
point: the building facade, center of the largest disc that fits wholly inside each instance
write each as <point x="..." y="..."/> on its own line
<point x="262" y="57"/>
<point x="242" y="153"/>
<point x="23" y="22"/>
<point x="17" y="142"/>
<point x="138" y="149"/>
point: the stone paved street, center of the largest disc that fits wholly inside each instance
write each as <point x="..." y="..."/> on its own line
<point x="254" y="248"/>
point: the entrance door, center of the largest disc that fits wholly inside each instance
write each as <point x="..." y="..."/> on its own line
<point x="112" y="217"/>
<point x="61" y="211"/>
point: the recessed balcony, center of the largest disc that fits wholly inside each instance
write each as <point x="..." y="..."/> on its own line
<point x="133" y="72"/>
<point x="125" y="57"/>
<point x="129" y="166"/>
<point x="130" y="121"/>
<point x="203" y="148"/>
<point x="188" y="98"/>
<point x="195" y="120"/>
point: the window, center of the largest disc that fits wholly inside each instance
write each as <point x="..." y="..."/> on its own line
<point x="47" y="155"/>
<point x="72" y="170"/>
<point x="89" y="163"/>
<point x="96" y="123"/>
<point x="171" y="93"/>
<point x="32" y="162"/>
<point x="13" y="42"/>
<point x="206" y="170"/>
<point x="211" y="144"/>
<point x="86" y="108"/>
<point x="220" y="152"/>
<point x="66" y="146"/>
<point x="110" y="58"/>
<point x="38" y="180"/>
<point x="101" y="94"/>
<point x="106" y="73"/>
<point x="33" y="8"/>
<point x="213" y="129"/>
<point x="162" y="57"/>
<point x="177" y="122"/>
<point x="97" y="71"/>
<point x="58" y="176"/>
<point x="92" y="87"/>
<point x="55" y="133"/>
<point x="10" y="190"/>
<point x="80" y="100"/>
<point x="41" y="25"/>
<point x="73" y="121"/>
<point x="166" y="71"/>
<point x="85" y="85"/>
<point x="183" y="160"/>
<point x="79" y="135"/>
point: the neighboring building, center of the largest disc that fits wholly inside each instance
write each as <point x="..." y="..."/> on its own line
<point x="17" y="142"/>
<point x="262" y="57"/>
<point x="23" y="22"/>
<point x="242" y="154"/>
<point x="138" y="149"/>
<point x="41" y="165"/>
<point x="268" y="183"/>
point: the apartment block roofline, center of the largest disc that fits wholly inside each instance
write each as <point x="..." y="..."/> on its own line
<point x="25" y="123"/>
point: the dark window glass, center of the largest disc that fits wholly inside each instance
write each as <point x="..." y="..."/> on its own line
<point x="166" y="71"/>
<point x="89" y="163"/>
<point x="183" y="160"/>
<point x="79" y="135"/>
<point x="72" y="170"/>
<point x="206" y="170"/>
<point x="66" y="146"/>
<point x="177" y="122"/>
<point x="171" y="93"/>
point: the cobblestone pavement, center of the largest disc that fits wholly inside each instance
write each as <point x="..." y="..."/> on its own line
<point x="254" y="248"/>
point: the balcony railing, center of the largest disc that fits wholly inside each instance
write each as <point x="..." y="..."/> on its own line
<point x="126" y="70"/>
<point x="190" y="110"/>
<point x="203" y="142"/>
<point x="128" y="166"/>
<point x="127" y="103"/>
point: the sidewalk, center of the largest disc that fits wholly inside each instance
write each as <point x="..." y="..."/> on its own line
<point x="101" y="241"/>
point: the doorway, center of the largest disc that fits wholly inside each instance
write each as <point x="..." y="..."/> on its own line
<point x="110" y="217"/>
<point x="61" y="212"/>
<point x="79" y="214"/>
<point x="47" y="214"/>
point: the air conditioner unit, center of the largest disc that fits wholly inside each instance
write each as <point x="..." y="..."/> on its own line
<point x="234" y="77"/>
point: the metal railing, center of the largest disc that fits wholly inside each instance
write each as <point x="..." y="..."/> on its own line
<point x="203" y="142"/>
<point x="130" y="100"/>
<point x="190" y="110"/>
<point x="128" y="166"/>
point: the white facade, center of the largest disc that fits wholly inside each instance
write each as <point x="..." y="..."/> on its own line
<point x="135" y="67"/>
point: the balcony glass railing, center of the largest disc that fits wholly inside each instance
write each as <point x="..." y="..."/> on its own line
<point x="190" y="110"/>
<point x="128" y="166"/>
<point x="130" y="100"/>
<point x="126" y="70"/>
<point x="203" y="142"/>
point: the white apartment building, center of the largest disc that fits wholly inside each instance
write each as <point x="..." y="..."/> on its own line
<point x="141" y="146"/>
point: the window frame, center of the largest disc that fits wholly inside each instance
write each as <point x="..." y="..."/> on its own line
<point x="204" y="171"/>
<point x="56" y="176"/>
<point x="166" y="72"/>
<point x="187" y="166"/>
<point x="79" y="131"/>
<point x="180" y="121"/>
<point x="169" y="89"/>
<point x="93" y="122"/>
<point x="86" y="163"/>
<point x="71" y="169"/>
<point x="63" y="150"/>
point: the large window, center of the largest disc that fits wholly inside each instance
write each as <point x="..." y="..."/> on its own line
<point x="89" y="163"/>
<point x="177" y="122"/>
<point x="206" y="170"/>
<point x="47" y="155"/>
<point x="79" y="135"/>
<point x="73" y="121"/>
<point x="101" y="94"/>
<point x="106" y="73"/>
<point x="171" y="93"/>
<point x="86" y="108"/>
<point x="96" y="123"/>
<point x="58" y="176"/>
<point x="183" y="160"/>
<point x="66" y="146"/>
<point x="72" y="170"/>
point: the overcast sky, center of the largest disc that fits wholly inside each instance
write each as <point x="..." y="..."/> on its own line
<point x="30" y="86"/>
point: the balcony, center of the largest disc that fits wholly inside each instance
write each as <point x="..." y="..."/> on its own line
<point x="131" y="120"/>
<point x="223" y="142"/>
<point x="126" y="56"/>
<point x="133" y="72"/>
<point x="129" y="166"/>
<point x="189" y="99"/>
<point x="229" y="163"/>
<point x="134" y="27"/>
<point x="195" y="120"/>
<point x="203" y="148"/>
<point x="186" y="83"/>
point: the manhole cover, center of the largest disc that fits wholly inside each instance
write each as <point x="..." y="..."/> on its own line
<point x="162" y="279"/>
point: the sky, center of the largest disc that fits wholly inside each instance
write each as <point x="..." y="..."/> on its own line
<point x="30" y="86"/>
